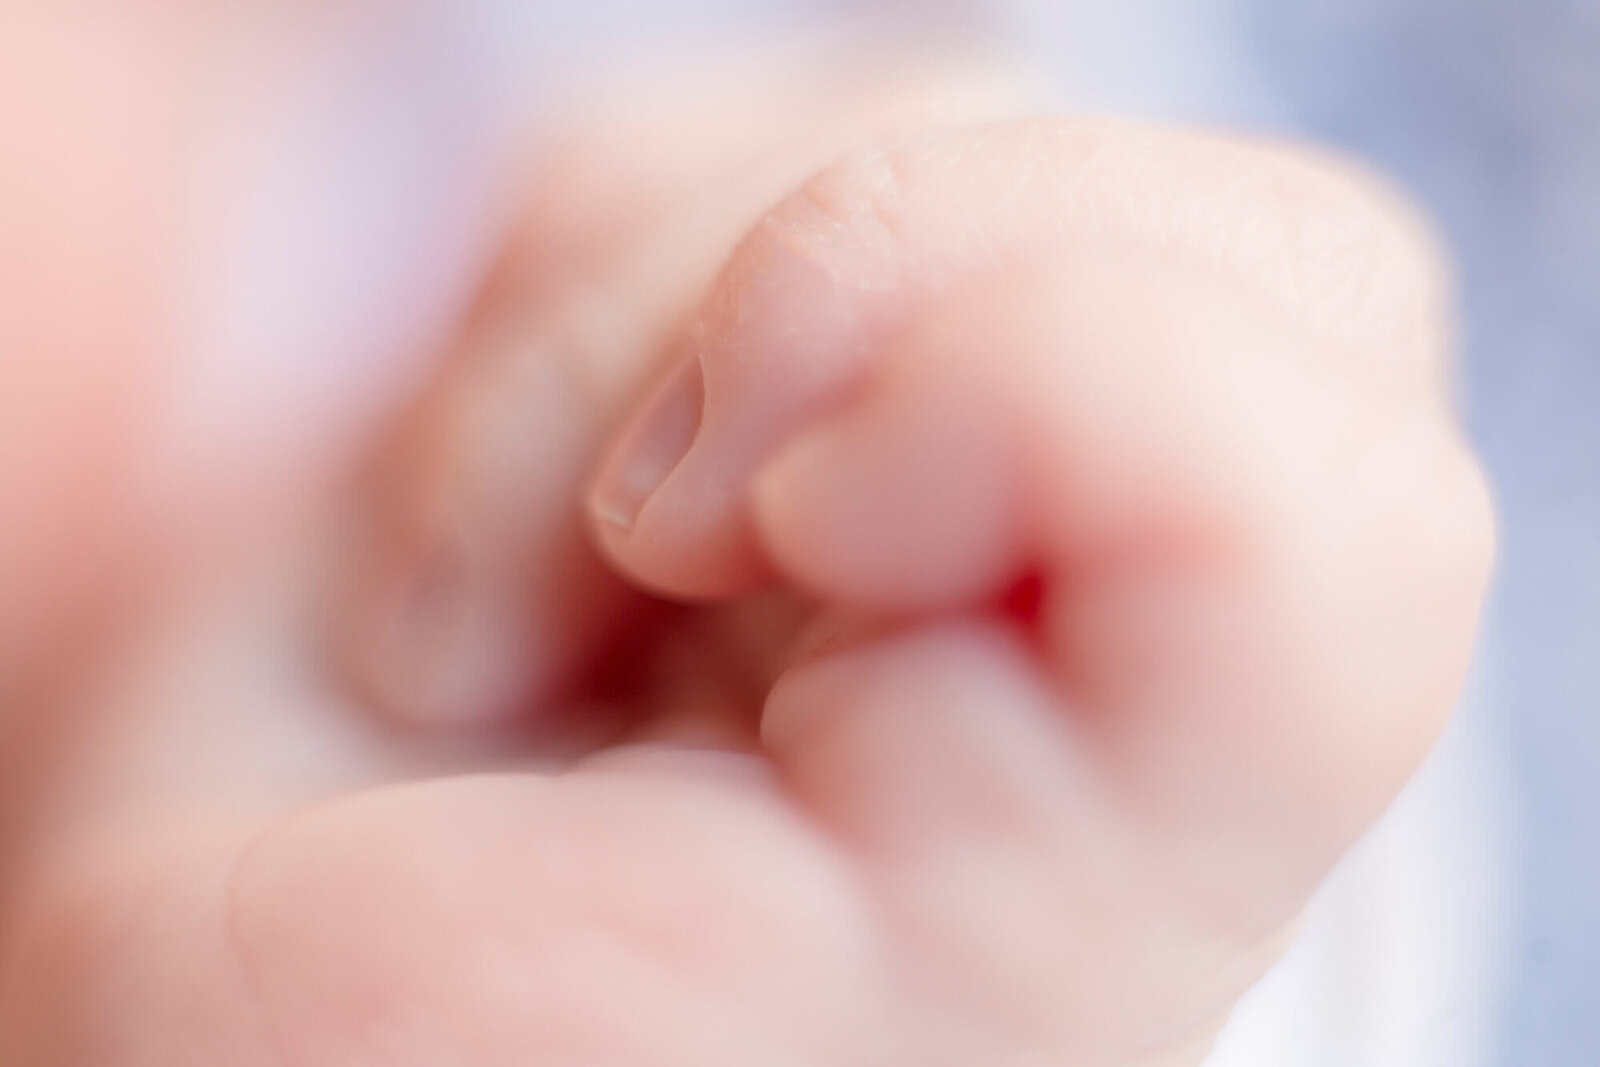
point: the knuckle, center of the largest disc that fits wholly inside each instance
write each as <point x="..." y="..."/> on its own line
<point x="1421" y="545"/>
<point x="1453" y="534"/>
<point x="864" y="187"/>
<point x="824" y="272"/>
<point x="851" y="219"/>
<point x="1356" y="262"/>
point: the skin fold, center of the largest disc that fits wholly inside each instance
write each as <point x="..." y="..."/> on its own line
<point x="872" y="580"/>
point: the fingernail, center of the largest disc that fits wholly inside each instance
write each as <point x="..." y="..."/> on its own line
<point x="651" y="448"/>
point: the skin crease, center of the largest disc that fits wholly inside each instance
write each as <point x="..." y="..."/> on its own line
<point x="857" y="805"/>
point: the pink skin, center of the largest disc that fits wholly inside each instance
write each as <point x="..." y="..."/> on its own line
<point x="864" y="804"/>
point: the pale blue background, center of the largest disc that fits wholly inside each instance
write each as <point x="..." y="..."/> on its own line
<point x="1490" y="112"/>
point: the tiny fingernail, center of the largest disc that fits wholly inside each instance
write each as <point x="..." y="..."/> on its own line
<point x="651" y="448"/>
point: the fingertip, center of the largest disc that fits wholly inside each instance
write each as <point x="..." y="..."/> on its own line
<point x="664" y="527"/>
<point x="690" y="540"/>
<point x="894" y="506"/>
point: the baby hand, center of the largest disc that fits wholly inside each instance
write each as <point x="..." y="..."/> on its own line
<point x="1084" y="556"/>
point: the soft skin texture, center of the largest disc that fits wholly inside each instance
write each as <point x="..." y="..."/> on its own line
<point x="1070" y="552"/>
